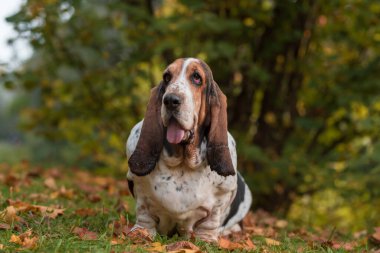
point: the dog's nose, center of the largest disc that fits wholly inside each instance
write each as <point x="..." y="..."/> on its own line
<point x="172" y="101"/>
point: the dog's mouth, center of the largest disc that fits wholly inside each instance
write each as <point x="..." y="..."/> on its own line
<point x="176" y="134"/>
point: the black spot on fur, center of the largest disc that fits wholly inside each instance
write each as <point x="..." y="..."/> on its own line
<point x="130" y="187"/>
<point x="179" y="188"/>
<point x="239" y="198"/>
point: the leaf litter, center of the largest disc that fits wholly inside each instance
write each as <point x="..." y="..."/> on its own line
<point x="261" y="230"/>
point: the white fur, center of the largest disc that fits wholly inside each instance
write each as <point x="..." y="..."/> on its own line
<point x="194" y="200"/>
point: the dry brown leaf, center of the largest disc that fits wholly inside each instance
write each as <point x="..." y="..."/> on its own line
<point x="120" y="227"/>
<point x="50" y="183"/>
<point x="15" y="239"/>
<point x="229" y="245"/>
<point x="182" y="245"/>
<point x="375" y="237"/>
<point x="85" y="234"/>
<point x="94" y="198"/>
<point x="2" y="246"/>
<point x="116" y="241"/>
<point x="38" y="196"/>
<point x="140" y="236"/>
<point x="25" y="240"/>
<point x="30" y="243"/>
<point x="4" y="226"/>
<point x="272" y="242"/>
<point x="63" y="192"/>
<point x="9" y="215"/>
<point x="50" y="212"/>
<point x="350" y="246"/>
<point x="249" y="244"/>
<point x="84" y="212"/>
<point x="54" y="172"/>
<point x="156" y="247"/>
<point x="185" y="251"/>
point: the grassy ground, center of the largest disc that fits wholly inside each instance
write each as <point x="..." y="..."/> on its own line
<point x="98" y="212"/>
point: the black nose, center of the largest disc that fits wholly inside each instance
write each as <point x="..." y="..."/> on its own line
<point x="172" y="101"/>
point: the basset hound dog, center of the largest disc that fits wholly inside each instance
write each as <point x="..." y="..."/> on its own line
<point x="182" y="160"/>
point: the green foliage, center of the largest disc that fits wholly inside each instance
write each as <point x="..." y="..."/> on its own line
<point x="300" y="77"/>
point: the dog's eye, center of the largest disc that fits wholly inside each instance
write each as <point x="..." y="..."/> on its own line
<point x="167" y="77"/>
<point x="196" y="78"/>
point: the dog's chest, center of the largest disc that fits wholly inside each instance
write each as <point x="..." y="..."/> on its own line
<point x="179" y="190"/>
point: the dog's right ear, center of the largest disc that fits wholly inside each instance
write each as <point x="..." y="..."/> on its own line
<point x="150" y="144"/>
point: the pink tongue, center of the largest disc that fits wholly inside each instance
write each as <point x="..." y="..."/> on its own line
<point x="174" y="133"/>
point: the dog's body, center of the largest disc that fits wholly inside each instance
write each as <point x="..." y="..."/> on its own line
<point x="186" y="182"/>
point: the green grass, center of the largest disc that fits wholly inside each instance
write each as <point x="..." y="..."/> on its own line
<point x="56" y="235"/>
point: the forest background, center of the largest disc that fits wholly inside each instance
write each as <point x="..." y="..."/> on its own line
<point x="301" y="77"/>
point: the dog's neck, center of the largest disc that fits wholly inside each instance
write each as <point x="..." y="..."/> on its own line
<point x="193" y="155"/>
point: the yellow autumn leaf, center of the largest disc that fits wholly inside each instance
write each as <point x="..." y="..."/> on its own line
<point x="15" y="239"/>
<point x="156" y="247"/>
<point x="272" y="242"/>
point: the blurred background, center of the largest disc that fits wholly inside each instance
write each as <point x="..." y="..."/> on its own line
<point x="301" y="77"/>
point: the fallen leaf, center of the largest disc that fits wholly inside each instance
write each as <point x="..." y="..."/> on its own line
<point x="229" y="245"/>
<point x="375" y="237"/>
<point x="50" y="183"/>
<point x="272" y="242"/>
<point x="94" y="198"/>
<point x="350" y="246"/>
<point x="1" y="246"/>
<point x="281" y="224"/>
<point x="182" y="245"/>
<point x="9" y="215"/>
<point x="185" y="251"/>
<point x="84" y="212"/>
<point x="54" y="173"/>
<point x="156" y="247"/>
<point x="50" y="212"/>
<point x="38" y="196"/>
<point x="25" y="240"/>
<point x="5" y="226"/>
<point x="30" y="243"/>
<point x="15" y="239"/>
<point x="249" y="244"/>
<point x="85" y="234"/>
<point x="121" y="226"/>
<point x="360" y="234"/>
<point x="140" y="236"/>
<point x="63" y="192"/>
<point x="116" y="241"/>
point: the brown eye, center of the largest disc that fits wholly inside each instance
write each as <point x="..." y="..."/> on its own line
<point x="196" y="78"/>
<point x="167" y="77"/>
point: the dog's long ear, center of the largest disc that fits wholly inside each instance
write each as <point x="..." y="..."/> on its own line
<point x="218" y="153"/>
<point x="149" y="146"/>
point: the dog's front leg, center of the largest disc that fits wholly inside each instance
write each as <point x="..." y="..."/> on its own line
<point x="208" y="229"/>
<point x="144" y="219"/>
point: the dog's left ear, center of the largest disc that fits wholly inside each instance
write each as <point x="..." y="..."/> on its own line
<point x="218" y="153"/>
<point x="150" y="144"/>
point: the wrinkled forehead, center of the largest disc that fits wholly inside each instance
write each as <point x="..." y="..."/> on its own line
<point x="182" y="68"/>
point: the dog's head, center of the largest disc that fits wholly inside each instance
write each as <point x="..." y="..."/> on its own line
<point x="186" y="104"/>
